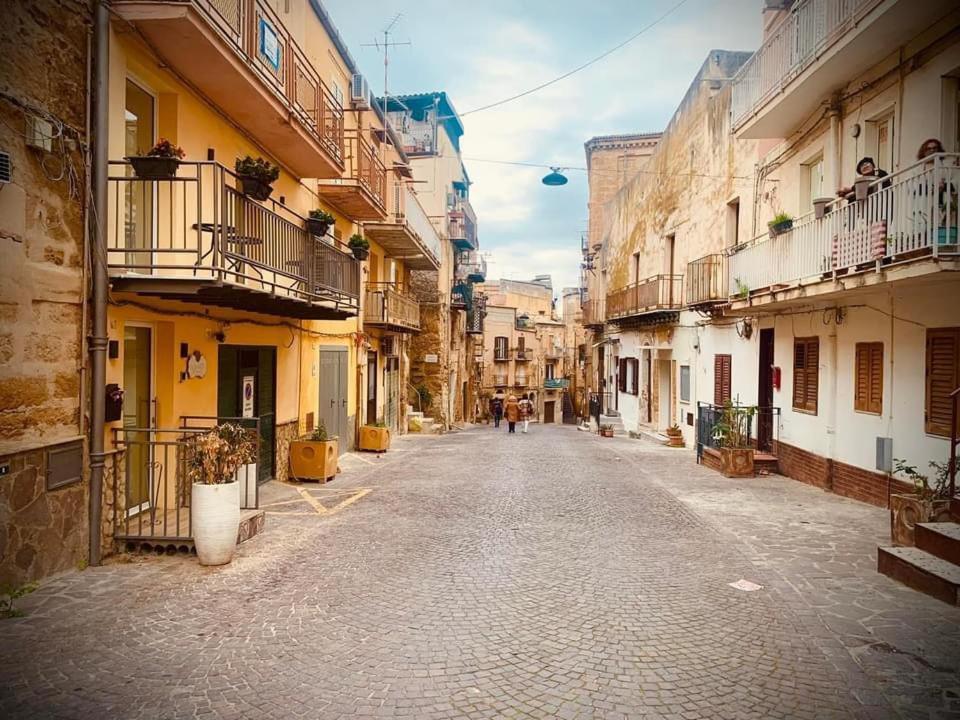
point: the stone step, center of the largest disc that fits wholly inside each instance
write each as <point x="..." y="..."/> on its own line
<point x="654" y="436"/>
<point x="922" y="571"/>
<point x="939" y="538"/>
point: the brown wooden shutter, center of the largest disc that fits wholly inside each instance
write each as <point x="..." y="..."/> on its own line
<point x="806" y="373"/>
<point x="635" y="377"/>
<point x="868" y="388"/>
<point x="943" y="377"/>
<point x="721" y="379"/>
<point x="622" y="375"/>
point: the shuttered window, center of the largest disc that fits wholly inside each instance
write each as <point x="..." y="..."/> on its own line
<point x="943" y="377"/>
<point x="500" y="348"/>
<point x="634" y="376"/>
<point x="868" y="389"/>
<point x="806" y="373"/>
<point x="721" y="379"/>
<point x="622" y="375"/>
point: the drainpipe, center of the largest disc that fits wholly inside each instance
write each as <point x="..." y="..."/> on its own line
<point x="98" y="339"/>
<point x="836" y="154"/>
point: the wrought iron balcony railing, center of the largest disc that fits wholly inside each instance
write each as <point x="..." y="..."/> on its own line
<point x="654" y="294"/>
<point x="706" y="281"/>
<point x="386" y="306"/>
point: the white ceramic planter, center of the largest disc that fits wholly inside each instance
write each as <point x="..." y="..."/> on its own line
<point x="246" y="477"/>
<point x="216" y="521"/>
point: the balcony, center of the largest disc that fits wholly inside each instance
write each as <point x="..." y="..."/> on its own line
<point x="386" y="307"/>
<point x="239" y="56"/>
<point x="501" y="355"/>
<point x="361" y="193"/>
<point x="520" y="381"/>
<point x="556" y="384"/>
<point x="408" y="235"/>
<point x="817" y="49"/>
<point x="471" y="267"/>
<point x="197" y="238"/>
<point x="525" y="322"/>
<point x="524" y="356"/>
<point x="475" y="315"/>
<point x="462" y="226"/>
<point x="594" y="314"/>
<point x="655" y="299"/>
<point x="906" y="227"/>
<point x="706" y="282"/>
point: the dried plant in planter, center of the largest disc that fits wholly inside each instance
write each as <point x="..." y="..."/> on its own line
<point x="214" y="457"/>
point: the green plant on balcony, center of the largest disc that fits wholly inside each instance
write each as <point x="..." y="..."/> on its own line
<point x="743" y="290"/>
<point x="319" y="222"/>
<point x="359" y="246"/>
<point x="781" y="223"/>
<point x="160" y="162"/>
<point x="257" y="177"/>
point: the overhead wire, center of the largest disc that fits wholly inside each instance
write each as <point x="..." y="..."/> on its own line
<point x="600" y="172"/>
<point x="577" y="69"/>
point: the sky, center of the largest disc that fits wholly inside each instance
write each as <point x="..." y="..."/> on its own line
<point x="481" y="51"/>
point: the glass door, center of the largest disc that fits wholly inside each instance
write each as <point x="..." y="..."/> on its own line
<point x="140" y="195"/>
<point x="138" y="413"/>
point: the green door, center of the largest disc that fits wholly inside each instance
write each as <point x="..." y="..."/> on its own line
<point x="250" y="369"/>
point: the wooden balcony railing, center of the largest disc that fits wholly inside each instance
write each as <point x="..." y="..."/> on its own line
<point x="387" y="306"/>
<point x="706" y="280"/>
<point x="594" y="313"/>
<point x="364" y="165"/>
<point x="199" y="230"/>
<point x="907" y="215"/>
<point x="657" y="293"/>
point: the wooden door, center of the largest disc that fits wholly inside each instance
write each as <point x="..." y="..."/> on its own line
<point x="765" y="391"/>
<point x="250" y="369"/>
<point x="549" y="412"/>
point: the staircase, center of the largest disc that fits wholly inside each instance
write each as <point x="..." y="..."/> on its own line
<point x="932" y="567"/>
<point x="417" y="422"/>
<point x="615" y="420"/>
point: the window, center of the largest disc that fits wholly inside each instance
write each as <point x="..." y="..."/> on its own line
<point x="550" y="371"/>
<point x="721" y="379"/>
<point x="733" y="222"/>
<point x="634" y="376"/>
<point x="812" y="187"/>
<point x="336" y="90"/>
<point x="500" y="348"/>
<point x="806" y="373"/>
<point x="868" y="388"/>
<point x="521" y="343"/>
<point x="943" y="377"/>
<point x="629" y="369"/>
<point x="684" y="383"/>
<point x="880" y="141"/>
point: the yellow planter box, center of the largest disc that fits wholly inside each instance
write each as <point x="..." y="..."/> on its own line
<point x="375" y="439"/>
<point x="313" y="460"/>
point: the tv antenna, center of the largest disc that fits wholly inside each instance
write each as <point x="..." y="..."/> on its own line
<point x="386" y="44"/>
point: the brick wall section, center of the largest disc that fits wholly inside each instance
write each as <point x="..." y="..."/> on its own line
<point x="804" y="466"/>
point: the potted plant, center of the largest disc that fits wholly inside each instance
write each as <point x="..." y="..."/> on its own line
<point x="924" y="504"/>
<point x="314" y="456"/>
<point x="674" y="436"/>
<point x="257" y="177"/>
<point x="375" y="437"/>
<point x="319" y="222"/>
<point x="732" y="434"/>
<point x="606" y="431"/>
<point x="212" y="462"/>
<point x="360" y="246"/>
<point x="160" y="162"/>
<point x="861" y="187"/>
<point x="781" y="223"/>
<point x="246" y="472"/>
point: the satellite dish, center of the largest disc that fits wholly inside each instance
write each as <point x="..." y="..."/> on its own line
<point x="554" y="178"/>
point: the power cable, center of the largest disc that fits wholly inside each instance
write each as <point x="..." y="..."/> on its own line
<point x="584" y="66"/>
<point x="609" y="172"/>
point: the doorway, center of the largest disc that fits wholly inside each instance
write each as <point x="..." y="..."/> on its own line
<point x="664" y="393"/>
<point x="648" y="384"/>
<point x="246" y="390"/>
<point x="139" y="137"/>
<point x="371" y="387"/>
<point x="332" y="410"/>
<point x="601" y="382"/>
<point x="391" y="385"/>
<point x="549" y="411"/>
<point x="765" y="391"/>
<point x="138" y="414"/>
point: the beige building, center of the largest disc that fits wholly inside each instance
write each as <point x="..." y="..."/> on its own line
<point x="575" y="349"/>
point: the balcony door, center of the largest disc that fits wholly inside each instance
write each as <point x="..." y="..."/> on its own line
<point x="139" y="195"/>
<point x="138" y="413"/>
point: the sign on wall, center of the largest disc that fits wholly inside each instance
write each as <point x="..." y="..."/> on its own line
<point x="269" y="45"/>
<point x="247" y="388"/>
<point x="430" y="358"/>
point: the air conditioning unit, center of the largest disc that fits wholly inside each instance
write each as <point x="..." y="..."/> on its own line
<point x="388" y="346"/>
<point x="360" y="92"/>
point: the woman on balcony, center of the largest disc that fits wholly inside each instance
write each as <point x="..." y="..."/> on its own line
<point x="866" y="168"/>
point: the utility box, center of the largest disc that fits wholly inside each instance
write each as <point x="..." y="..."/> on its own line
<point x="885" y="454"/>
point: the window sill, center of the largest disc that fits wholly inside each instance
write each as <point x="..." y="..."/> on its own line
<point x="803" y="411"/>
<point x="867" y="412"/>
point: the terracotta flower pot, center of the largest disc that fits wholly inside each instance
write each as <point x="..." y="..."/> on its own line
<point x="736" y="462"/>
<point x="908" y="509"/>
<point x="215" y="516"/>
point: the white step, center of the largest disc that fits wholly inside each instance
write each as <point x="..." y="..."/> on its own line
<point x="654" y="436"/>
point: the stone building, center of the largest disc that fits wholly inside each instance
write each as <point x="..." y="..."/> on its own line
<point x="575" y="349"/>
<point x="43" y="277"/>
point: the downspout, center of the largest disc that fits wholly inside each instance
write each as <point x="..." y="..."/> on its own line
<point x="98" y="339"/>
<point x="836" y="153"/>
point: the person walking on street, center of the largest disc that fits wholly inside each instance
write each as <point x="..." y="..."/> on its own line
<point x="512" y="413"/>
<point x="526" y="410"/>
<point x="496" y="409"/>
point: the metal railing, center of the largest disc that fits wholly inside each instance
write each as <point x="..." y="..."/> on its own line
<point x="706" y="280"/>
<point x="911" y="213"/>
<point x="384" y="304"/>
<point x="407" y="208"/>
<point x="556" y="383"/>
<point x="471" y="266"/>
<point x="594" y="313"/>
<point x="364" y="165"/>
<point x="660" y="292"/>
<point x="811" y="28"/>
<point x="462" y="223"/>
<point x="762" y="426"/>
<point x="200" y="225"/>
<point x="295" y="82"/>
<point x="152" y="489"/>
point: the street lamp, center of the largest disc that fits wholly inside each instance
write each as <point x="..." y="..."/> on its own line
<point x="554" y="178"/>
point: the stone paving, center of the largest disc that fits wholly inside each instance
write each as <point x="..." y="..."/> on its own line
<point x="485" y="575"/>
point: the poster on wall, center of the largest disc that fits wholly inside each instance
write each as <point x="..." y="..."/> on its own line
<point x="247" y="396"/>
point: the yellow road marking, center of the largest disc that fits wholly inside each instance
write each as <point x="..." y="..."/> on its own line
<point x="312" y="501"/>
<point x="349" y="501"/>
<point x="353" y="494"/>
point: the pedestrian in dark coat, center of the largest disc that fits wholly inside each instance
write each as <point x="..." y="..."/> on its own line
<point x="496" y="409"/>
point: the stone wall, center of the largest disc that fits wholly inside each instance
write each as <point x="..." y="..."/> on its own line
<point x="433" y="339"/>
<point x="41" y="283"/>
<point x="286" y="433"/>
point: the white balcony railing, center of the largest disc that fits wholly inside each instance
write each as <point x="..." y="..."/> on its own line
<point x="418" y="221"/>
<point x="908" y="214"/>
<point x="811" y="28"/>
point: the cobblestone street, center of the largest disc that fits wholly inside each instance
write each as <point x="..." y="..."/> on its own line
<point x="553" y="574"/>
